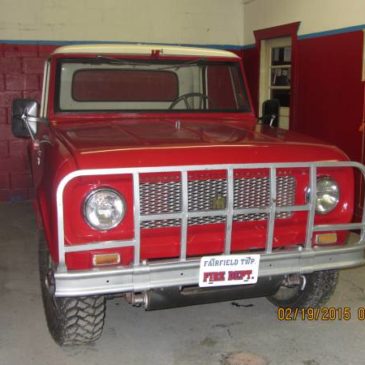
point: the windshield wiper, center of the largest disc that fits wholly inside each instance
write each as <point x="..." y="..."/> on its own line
<point x="177" y="66"/>
<point x="118" y="61"/>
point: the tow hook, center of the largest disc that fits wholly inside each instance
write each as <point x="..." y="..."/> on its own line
<point x="293" y="280"/>
<point x="137" y="299"/>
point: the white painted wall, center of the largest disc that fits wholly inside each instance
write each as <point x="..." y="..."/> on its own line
<point x="151" y="21"/>
<point x="314" y="15"/>
<point x="199" y="22"/>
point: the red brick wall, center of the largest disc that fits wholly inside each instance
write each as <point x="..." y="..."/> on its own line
<point x="21" y="69"/>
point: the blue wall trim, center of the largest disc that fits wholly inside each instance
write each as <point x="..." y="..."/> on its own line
<point x="333" y="32"/>
<point x="216" y="46"/>
<point x="249" y="46"/>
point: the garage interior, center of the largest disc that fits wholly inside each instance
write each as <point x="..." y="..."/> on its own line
<point x="321" y="54"/>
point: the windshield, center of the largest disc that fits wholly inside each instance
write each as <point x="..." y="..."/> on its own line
<point x="107" y="84"/>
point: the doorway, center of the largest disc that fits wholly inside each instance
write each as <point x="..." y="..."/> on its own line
<point x="275" y="75"/>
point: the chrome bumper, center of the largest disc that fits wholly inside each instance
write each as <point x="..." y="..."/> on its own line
<point x="182" y="273"/>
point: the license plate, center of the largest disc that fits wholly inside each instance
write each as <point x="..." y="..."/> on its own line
<point x="226" y="270"/>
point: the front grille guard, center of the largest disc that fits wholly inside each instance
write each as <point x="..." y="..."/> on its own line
<point x="228" y="212"/>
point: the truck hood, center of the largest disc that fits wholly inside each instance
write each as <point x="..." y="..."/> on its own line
<point x="156" y="142"/>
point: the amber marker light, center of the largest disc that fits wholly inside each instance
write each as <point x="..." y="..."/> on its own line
<point x="106" y="259"/>
<point x="326" y="238"/>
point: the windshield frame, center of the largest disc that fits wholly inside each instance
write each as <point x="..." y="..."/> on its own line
<point x="54" y="113"/>
<point x="171" y="63"/>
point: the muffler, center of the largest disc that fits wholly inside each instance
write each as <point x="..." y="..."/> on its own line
<point x="185" y="296"/>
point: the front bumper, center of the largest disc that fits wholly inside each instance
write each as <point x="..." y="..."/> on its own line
<point x="182" y="273"/>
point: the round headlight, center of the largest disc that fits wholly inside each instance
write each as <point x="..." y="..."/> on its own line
<point x="328" y="195"/>
<point x="104" y="209"/>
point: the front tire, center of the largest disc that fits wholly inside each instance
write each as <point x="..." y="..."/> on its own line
<point x="318" y="289"/>
<point x="70" y="320"/>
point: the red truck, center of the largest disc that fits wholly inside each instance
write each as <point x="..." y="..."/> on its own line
<point x="154" y="181"/>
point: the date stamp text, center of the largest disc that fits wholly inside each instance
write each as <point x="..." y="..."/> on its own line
<point x="321" y="314"/>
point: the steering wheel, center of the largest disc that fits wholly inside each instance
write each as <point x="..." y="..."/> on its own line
<point x="185" y="98"/>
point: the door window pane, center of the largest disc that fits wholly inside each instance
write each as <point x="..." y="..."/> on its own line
<point x="281" y="56"/>
<point x="280" y="76"/>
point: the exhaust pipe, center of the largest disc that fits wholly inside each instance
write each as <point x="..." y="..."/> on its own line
<point x="180" y="297"/>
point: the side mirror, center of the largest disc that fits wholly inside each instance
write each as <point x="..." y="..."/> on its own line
<point x="23" y="120"/>
<point x="270" y="112"/>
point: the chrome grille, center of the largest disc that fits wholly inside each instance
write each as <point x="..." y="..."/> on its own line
<point x="255" y="193"/>
<point x="161" y="223"/>
<point x="252" y="193"/>
<point x="206" y="220"/>
<point x="160" y="197"/>
<point x="203" y="195"/>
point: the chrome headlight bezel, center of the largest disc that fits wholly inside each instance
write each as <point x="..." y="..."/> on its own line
<point x="119" y="206"/>
<point x="327" y="195"/>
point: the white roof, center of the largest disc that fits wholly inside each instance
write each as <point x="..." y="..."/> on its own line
<point x="138" y="49"/>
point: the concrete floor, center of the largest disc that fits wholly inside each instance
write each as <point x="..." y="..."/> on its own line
<point x="196" y="335"/>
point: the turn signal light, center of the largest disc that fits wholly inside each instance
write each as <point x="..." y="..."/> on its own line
<point x="326" y="238"/>
<point x="106" y="259"/>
